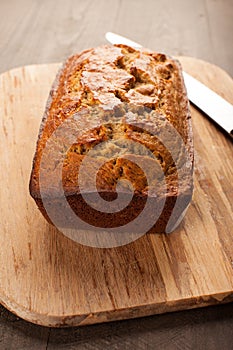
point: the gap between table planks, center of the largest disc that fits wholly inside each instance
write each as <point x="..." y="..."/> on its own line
<point x="48" y="279"/>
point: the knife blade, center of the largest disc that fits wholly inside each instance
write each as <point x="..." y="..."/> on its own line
<point x="216" y="107"/>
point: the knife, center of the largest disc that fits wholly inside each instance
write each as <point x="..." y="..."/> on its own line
<point x="216" y="107"/>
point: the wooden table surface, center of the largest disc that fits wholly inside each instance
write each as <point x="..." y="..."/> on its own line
<point x="33" y="31"/>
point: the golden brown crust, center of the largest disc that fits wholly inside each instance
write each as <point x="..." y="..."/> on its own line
<point x="110" y="78"/>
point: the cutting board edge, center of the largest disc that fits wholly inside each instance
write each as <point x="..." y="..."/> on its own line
<point x="103" y="316"/>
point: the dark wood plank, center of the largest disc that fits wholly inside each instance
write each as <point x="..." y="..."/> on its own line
<point x="18" y="334"/>
<point x="209" y="328"/>
<point x="203" y="329"/>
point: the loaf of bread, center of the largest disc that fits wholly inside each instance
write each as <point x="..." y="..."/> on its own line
<point x="121" y="116"/>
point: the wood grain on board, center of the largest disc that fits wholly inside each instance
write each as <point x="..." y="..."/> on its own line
<point x="50" y="280"/>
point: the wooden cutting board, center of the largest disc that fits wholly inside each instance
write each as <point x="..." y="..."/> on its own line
<point x="50" y="280"/>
